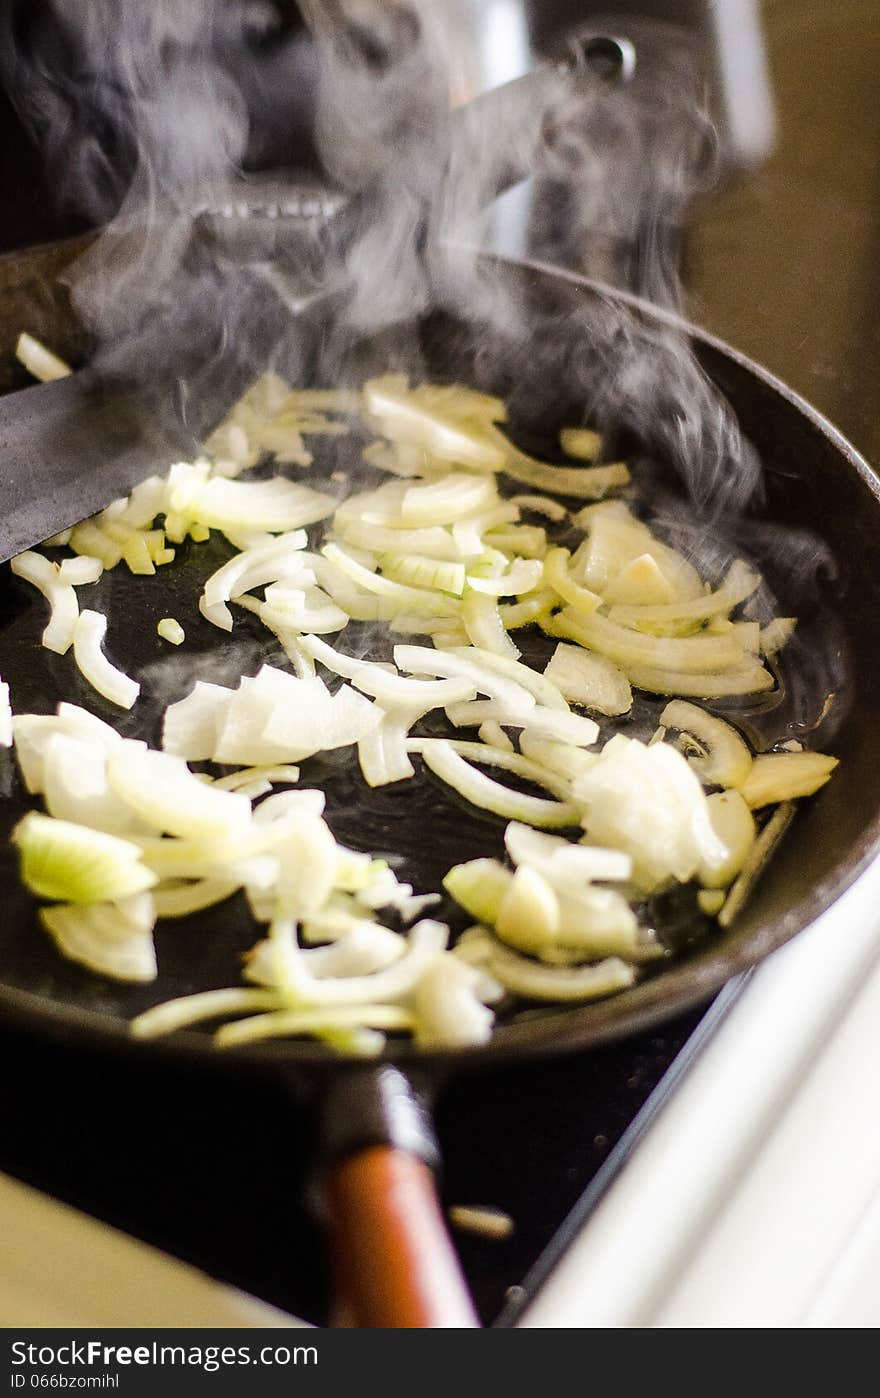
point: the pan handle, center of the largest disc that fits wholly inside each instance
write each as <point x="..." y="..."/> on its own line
<point x="393" y="1261"/>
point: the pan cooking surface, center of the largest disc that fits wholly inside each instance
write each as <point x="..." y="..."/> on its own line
<point x="813" y="477"/>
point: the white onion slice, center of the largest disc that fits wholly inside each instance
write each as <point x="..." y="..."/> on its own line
<point x="162" y="789"/>
<point x="112" y="939"/>
<point x="76" y="788"/>
<point x="470" y="664"/>
<point x="43" y="575"/>
<point x="563" y="863"/>
<point x="486" y="793"/>
<point x="112" y="683"/>
<point x="449" y="1005"/>
<point x="190" y="727"/>
<point x="79" y="571"/>
<point x="276" y="505"/>
<point x="39" y="360"/>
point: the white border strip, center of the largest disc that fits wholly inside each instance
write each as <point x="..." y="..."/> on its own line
<point x="749" y="1186"/>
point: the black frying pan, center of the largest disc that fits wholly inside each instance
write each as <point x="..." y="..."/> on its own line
<point x="397" y="1265"/>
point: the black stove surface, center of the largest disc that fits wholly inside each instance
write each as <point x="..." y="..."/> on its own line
<point x="784" y="264"/>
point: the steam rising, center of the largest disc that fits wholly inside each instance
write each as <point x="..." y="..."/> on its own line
<point x="136" y="105"/>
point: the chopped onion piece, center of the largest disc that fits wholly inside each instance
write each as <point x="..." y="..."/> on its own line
<point x="39" y="360"/>
<point x="162" y="789"/>
<point x="179" y="900"/>
<point x="727" y="761"/>
<point x="276" y="505"/>
<point x="544" y="723"/>
<point x="646" y="801"/>
<point x="777" y="633"/>
<point x="413" y="416"/>
<point x="451" y="498"/>
<point x="76" y="788"/>
<point x="416" y="571"/>
<point x="704" y="654"/>
<point x="484" y="627"/>
<point x="562" y="862"/>
<point x="320" y="1022"/>
<point x="734" y="825"/>
<point x="479" y="886"/>
<point x="756" y="862"/>
<point x="747" y="679"/>
<point x="542" y="505"/>
<point x="581" y="443"/>
<point x="171" y="630"/>
<point x="579" y="482"/>
<point x="45" y="576"/>
<point x="389" y="689"/>
<point x="557" y="576"/>
<point x="194" y="1009"/>
<point x="112" y="683"/>
<point x="111" y="939"/>
<point x="79" y="571"/>
<point x="449" y="1005"/>
<point x="667" y="619"/>
<point x="251" y="568"/>
<point x="403" y="598"/>
<point x="320" y="723"/>
<point x="486" y="793"/>
<point x="588" y="679"/>
<point x="523" y="576"/>
<point x="191" y="727"/>
<point x="784" y="776"/>
<point x="471" y="664"/>
<point x="641" y="583"/>
<point x="70" y="862"/>
<point x="566" y="984"/>
<point x="382" y="753"/>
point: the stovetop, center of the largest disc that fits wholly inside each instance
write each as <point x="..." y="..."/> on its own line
<point x="783" y="263"/>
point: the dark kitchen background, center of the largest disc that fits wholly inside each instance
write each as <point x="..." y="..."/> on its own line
<point x="781" y="259"/>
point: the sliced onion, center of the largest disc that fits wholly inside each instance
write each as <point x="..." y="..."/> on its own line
<point x="449" y="1005"/>
<point x="556" y="575"/>
<point x="563" y="863"/>
<point x="39" y="360"/>
<point x="111" y="939"/>
<point x="72" y="863"/>
<point x="484" y="626"/>
<point x="191" y="727"/>
<point x="79" y="571"/>
<point x="565" y="984"/>
<point x="704" y="654"/>
<point x="321" y="1022"/>
<point x="182" y="899"/>
<point x="93" y="664"/>
<point x="672" y="617"/>
<point x="473" y="665"/>
<point x="276" y="505"/>
<point x="488" y="795"/>
<point x="590" y="680"/>
<point x="727" y="761"/>
<point x="45" y="576"/>
<point x="451" y="498"/>
<point x="162" y="789"/>
<point x="187" y="1010"/>
<point x="746" y="679"/>
<point x="785" y="776"/>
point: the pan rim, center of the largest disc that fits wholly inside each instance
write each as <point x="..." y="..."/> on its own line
<point x="639" y="1008"/>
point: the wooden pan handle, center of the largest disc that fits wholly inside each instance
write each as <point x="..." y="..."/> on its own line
<point x="394" y="1263"/>
<point x="393" y="1259"/>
